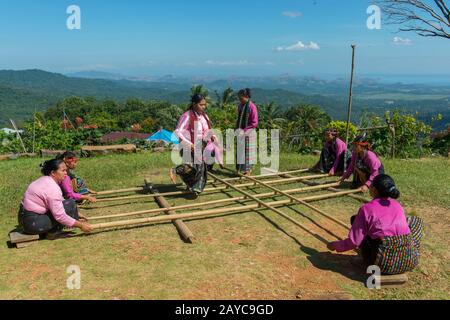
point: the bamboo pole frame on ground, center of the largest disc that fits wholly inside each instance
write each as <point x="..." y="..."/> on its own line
<point x="186" y="216"/>
<point x="350" y="195"/>
<point x="215" y="189"/>
<point x="228" y="200"/>
<point x="293" y="198"/>
<point x="268" y="206"/>
<point x="141" y="188"/>
<point x="183" y="230"/>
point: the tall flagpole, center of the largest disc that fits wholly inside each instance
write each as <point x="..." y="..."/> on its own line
<point x="350" y="101"/>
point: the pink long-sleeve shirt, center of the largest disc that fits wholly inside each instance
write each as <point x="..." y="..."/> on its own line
<point x="67" y="189"/>
<point x="253" y="118"/>
<point x="382" y="217"/>
<point x="370" y="160"/>
<point x="44" y="195"/>
<point x="340" y="148"/>
<point x="200" y="132"/>
<point x="184" y="129"/>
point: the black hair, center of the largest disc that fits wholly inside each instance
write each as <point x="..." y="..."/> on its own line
<point x="386" y="187"/>
<point x="245" y="93"/>
<point x="361" y="138"/>
<point x="47" y="167"/>
<point x="196" y="98"/>
<point x="67" y="154"/>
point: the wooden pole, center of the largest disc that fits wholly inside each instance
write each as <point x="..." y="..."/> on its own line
<point x="185" y="233"/>
<point x="223" y="201"/>
<point x="209" y="190"/>
<point x="268" y="206"/>
<point x="183" y="216"/>
<point x="350" y="102"/>
<point x="136" y="189"/>
<point x="18" y="135"/>
<point x="350" y="195"/>
<point x="191" y="215"/>
<point x="293" y="199"/>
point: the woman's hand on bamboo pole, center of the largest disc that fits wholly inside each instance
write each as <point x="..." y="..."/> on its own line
<point x="364" y="188"/>
<point x="85" y="227"/>
<point x="89" y="198"/>
<point x="331" y="247"/>
<point x="82" y="217"/>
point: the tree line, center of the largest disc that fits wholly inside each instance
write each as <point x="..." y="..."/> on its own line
<point x="76" y="121"/>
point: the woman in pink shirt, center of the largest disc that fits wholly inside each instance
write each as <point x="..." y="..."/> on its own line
<point x="364" y="165"/>
<point x="43" y="209"/>
<point x="194" y="130"/>
<point x="385" y="236"/>
<point x="72" y="186"/>
<point x="333" y="153"/>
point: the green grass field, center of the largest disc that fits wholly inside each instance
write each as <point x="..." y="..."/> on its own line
<point x="253" y="255"/>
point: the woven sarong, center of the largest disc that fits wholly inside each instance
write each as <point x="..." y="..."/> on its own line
<point x="194" y="175"/>
<point x="400" y="254"/>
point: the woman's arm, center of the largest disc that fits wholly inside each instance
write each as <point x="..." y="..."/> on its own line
<point x="340" y="149"/>
<point x="374" y="164"/>
<point x="182" y="130"/>
<point x="356" y="235"/>
<point x="351" y="167"/>
<point x="67" y="189"/>
<point x="253" y="118"/>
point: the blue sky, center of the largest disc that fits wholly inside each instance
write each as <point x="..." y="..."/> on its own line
<point x="211" y="37"/>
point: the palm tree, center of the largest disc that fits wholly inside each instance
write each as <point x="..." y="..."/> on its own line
<point x="200" y="89"/>
<point x="271" y="116"/>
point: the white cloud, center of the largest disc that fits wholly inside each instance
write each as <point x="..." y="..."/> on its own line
<point x="227" y="63"/>
<point x="291" y="14"/>
<point x="299" y="46"/>
<point x="402" y="42"/>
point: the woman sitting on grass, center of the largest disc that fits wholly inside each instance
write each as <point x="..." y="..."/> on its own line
<point x="72" y="186"/>
<point x="365" y="165"/>
<point x="333" y="153"/>
<point x="43" y="209"/>
<point x="383" y="233"/>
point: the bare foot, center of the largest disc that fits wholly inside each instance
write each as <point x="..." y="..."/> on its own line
<point x="173" y="176"/>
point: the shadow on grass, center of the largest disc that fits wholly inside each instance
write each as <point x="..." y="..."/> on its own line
<point x="348" y="266"/>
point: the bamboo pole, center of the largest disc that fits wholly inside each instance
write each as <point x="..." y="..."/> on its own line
<point x="215" y="189"/>
<point x="183" y="216"/>
<point x="110" y="192"/>
<point x="268" y="206"/>
<point x="181" y="227"/>
<point x="193" y="215"/>
<point x="350" y="195"/>
<point x="223" y="201"/>
<point x="293" y="199"/>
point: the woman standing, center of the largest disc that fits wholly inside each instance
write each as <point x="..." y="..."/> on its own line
<point x="385" y="236"/>
<point x="43" y="209"/>
<point x="246" y="122"/>
<point x="365" y="165"/>
<point x="333" y="153"/>
<point x="72" y="186"/>
<point x="194" y="129"/>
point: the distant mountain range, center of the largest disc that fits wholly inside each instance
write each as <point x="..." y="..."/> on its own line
<point x="21" y="92"/>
